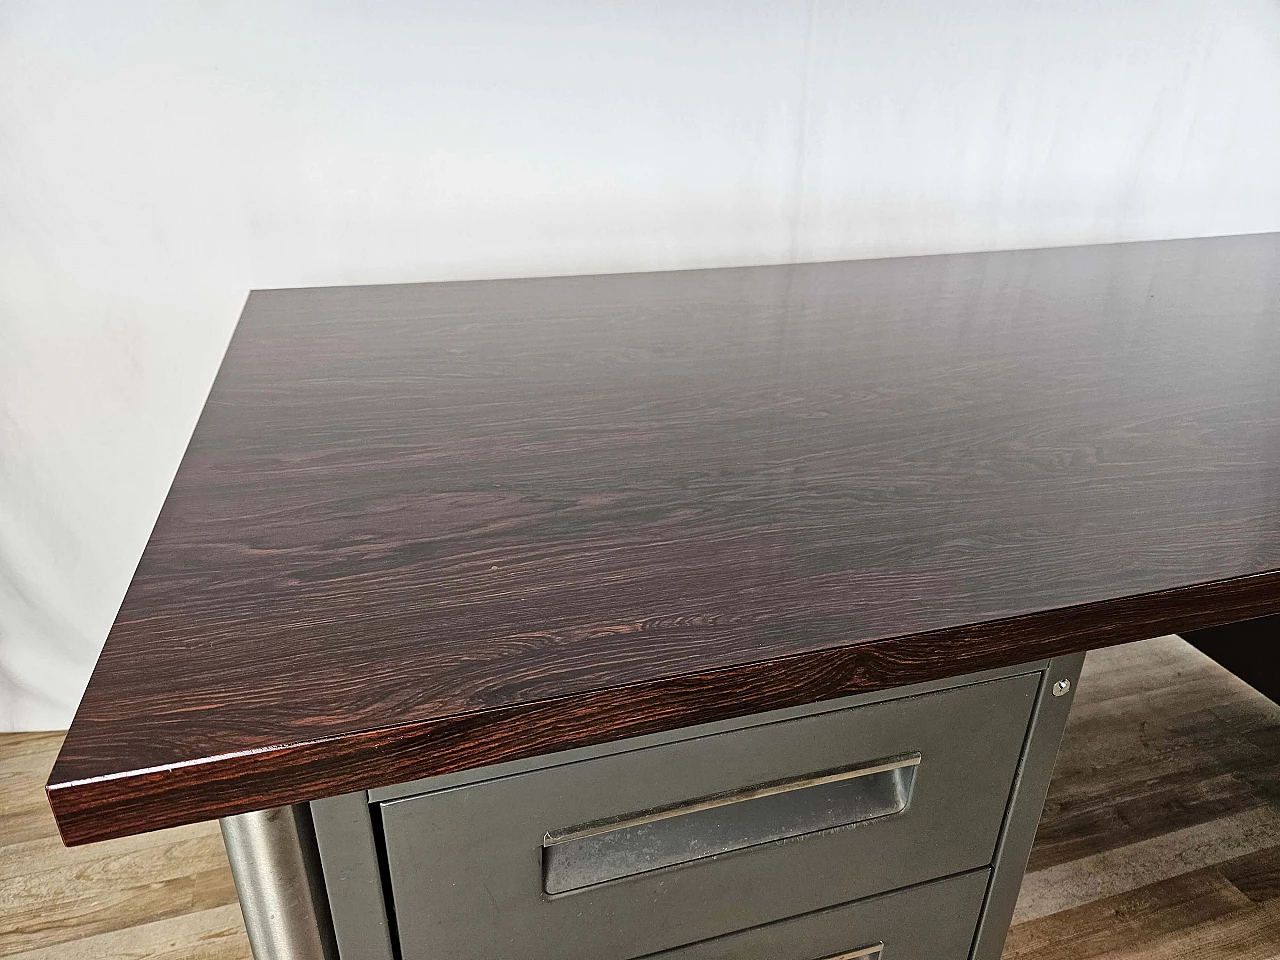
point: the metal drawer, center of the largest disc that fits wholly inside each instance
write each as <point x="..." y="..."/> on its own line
<point x="932" y="921"/>
<point x="642" y="851"/>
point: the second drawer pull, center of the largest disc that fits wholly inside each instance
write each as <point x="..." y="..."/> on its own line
<point x="610" y="850"/>
<point x="866" y="953"/>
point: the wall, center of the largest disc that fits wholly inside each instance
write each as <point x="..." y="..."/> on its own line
<point x="157" y="160"/>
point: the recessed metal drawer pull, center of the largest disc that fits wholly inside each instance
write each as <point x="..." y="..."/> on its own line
<point x="866" y="953"/>
<point x="623" y="847"/>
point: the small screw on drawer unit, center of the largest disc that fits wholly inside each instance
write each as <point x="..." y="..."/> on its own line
<point x="1062" y="688"/>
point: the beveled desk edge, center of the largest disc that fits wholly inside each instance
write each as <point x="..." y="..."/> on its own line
<point x="138" y="801"/>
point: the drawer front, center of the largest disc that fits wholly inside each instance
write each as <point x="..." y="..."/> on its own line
<point x="933" y="921"/>
<point x="638" y="852"/>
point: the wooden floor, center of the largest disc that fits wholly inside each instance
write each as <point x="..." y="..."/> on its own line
<point x="1160" y="840"/>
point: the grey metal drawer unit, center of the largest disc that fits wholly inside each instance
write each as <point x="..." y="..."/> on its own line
<point x="933" y="921"/>
<point x="649" y="849"/>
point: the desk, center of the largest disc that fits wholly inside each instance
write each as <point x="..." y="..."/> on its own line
<point x="492" y="530"/>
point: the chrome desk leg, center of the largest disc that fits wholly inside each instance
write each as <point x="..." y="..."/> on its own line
<point x="277" y="872"/>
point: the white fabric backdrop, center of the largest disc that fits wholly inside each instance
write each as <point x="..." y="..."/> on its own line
<point x="158" y="160"/>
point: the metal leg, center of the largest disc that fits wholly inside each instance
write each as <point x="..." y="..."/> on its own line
<point x="278" y="879"/>
<point x="349" y="849"/>
<point x="1057" y="688"/>
<point x="1246" y="649"/>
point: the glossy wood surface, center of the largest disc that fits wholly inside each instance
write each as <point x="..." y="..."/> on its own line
<point x="421" y="528"/>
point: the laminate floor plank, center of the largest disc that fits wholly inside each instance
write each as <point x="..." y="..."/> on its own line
<point x="1120" y="869"/>
<point x="1250" y="934"/>
<point x="1173" y="806"/>
<point x="113" y="892"/>
<point x="116" y="907"/>
<point x="37" y="743"/>
<point x="23" y="822"/>
<point x="214" y="934"/>
<point x="1102" y="927"/>
<point x="1256" y="876"/>
<point x="1120" y="752"/>
<point x="34" y="856"/>
<point x="1160" y="839"/>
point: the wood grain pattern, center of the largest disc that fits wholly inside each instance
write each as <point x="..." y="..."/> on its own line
<point x="421" y="528"/>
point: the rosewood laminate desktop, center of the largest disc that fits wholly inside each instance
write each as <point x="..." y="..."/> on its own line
<point x="421" y="529"/>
